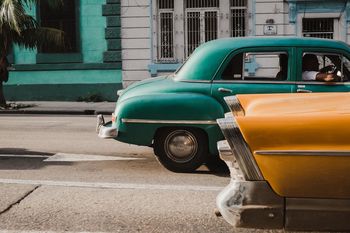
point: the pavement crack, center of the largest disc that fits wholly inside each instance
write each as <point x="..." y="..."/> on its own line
<point x="19" y="200"/>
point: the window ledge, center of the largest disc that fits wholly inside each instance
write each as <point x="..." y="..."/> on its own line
<point x="154" y="68"/>
<point x="52" y="58"/>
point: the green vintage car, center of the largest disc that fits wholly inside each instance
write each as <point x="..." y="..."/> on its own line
<point x="176" y="114"/>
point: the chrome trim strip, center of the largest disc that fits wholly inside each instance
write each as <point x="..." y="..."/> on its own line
<point x="252" y="81"/>
<point x="235" y="106"/>
<point x="189" y="122"/>
<point x="303" y="152"/>
<point x="240" y="149"/>
<point x="323" y="83"/>
<point x="281" y="82"/>
<point x="195" y="81"/>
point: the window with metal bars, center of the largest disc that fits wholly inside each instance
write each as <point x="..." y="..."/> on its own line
<point x="201" y="23"/>
<point x="318" y="27"/>
<point x="202" y="3"/>
<point x="202" y="26"/>
<point x="166" y="30"/>
<point x="238" y="17"/>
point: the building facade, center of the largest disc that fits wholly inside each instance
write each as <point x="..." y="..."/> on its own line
<point x="159" y="35"/>
<point x="89" y="65"/>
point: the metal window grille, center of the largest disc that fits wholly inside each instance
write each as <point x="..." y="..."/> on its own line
<point x="166" y="30"/>
<point x="211" y="25"/>
<point x="193" y="31"/>
<point x="201" y="23"/>
<point x="202" y="3"/>
<point x="238" y="17"/>
<point x="202" y="26"/>
<point x="318" y="27"/>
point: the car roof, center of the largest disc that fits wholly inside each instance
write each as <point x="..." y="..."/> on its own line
<point x="233" y="43"/>
<point x="205" y="60"/>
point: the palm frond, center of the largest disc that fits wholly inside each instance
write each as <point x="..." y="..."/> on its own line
<point x="16" y="26"/>
<point x="11" y="13"/>
<point x="38" y="37"/>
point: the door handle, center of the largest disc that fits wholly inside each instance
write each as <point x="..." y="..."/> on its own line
<point x="303" y="91"/>
<point x="224" y="90"/>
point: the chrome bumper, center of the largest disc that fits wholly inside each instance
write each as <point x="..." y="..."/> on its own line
<point x="105" y="130"/>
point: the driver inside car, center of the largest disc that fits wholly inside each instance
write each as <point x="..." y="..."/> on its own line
<point x="311" y="71"/>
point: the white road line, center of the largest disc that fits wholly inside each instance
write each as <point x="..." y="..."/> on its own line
<point x="65" y="157"/>
<point x="113" y="185"/>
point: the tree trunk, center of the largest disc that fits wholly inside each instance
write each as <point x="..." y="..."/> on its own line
<point x="4" y="76"/>
<point x="2" y="97"/>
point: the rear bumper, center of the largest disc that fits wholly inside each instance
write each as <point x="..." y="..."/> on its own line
<point x="105" y="130"/>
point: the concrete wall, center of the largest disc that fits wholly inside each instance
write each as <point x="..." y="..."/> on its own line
<point x="136" y="43"/>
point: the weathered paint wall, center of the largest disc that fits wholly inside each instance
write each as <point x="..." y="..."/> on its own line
<point x="276" y="10"/>
<point x="92" y="31"/>
<point x="97" y="73"/>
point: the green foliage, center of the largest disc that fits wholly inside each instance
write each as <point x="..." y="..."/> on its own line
<point x="16" y="26"/>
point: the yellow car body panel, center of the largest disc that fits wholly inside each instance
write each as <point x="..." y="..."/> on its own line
<point x="301" y="145"/>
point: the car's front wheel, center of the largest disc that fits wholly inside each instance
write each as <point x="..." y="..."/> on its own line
<point x="181" y="150"/>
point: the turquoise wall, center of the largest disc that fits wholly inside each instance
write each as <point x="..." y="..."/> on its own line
<point x="92" y="30"/>
<point x="94" y="70"/>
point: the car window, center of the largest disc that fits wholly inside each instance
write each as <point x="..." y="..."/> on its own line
<point x="326" y="63"/>
<point x="257" y="66"/>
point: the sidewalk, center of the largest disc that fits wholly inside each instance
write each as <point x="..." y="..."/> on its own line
<point x="54" y="107"/>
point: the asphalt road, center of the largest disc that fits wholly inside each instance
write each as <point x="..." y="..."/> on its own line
<point x="56" y="175"/>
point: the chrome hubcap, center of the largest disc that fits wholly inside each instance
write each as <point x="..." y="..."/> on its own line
<point x="181" y="146"/>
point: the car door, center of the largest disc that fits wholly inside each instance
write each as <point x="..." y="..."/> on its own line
<point x="337" y="60"/>
<point x="255" y="70"/>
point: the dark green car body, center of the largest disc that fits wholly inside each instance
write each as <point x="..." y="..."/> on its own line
<point x="193" y="96"/>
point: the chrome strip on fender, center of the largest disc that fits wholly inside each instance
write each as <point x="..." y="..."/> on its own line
<point x="303" y="152"/>
<point x="235" y="106"/>
<point x="322" y="83"/>
<point x="240" y="149"/>
<point x="253" y="82"/>
<point x="189" y="122"/>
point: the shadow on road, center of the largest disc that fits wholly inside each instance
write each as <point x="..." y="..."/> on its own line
<point x="23" y="159"/>
<point x="22" y="151"/>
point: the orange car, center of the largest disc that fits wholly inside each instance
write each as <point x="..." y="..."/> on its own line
<point x="289" y="157"/>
